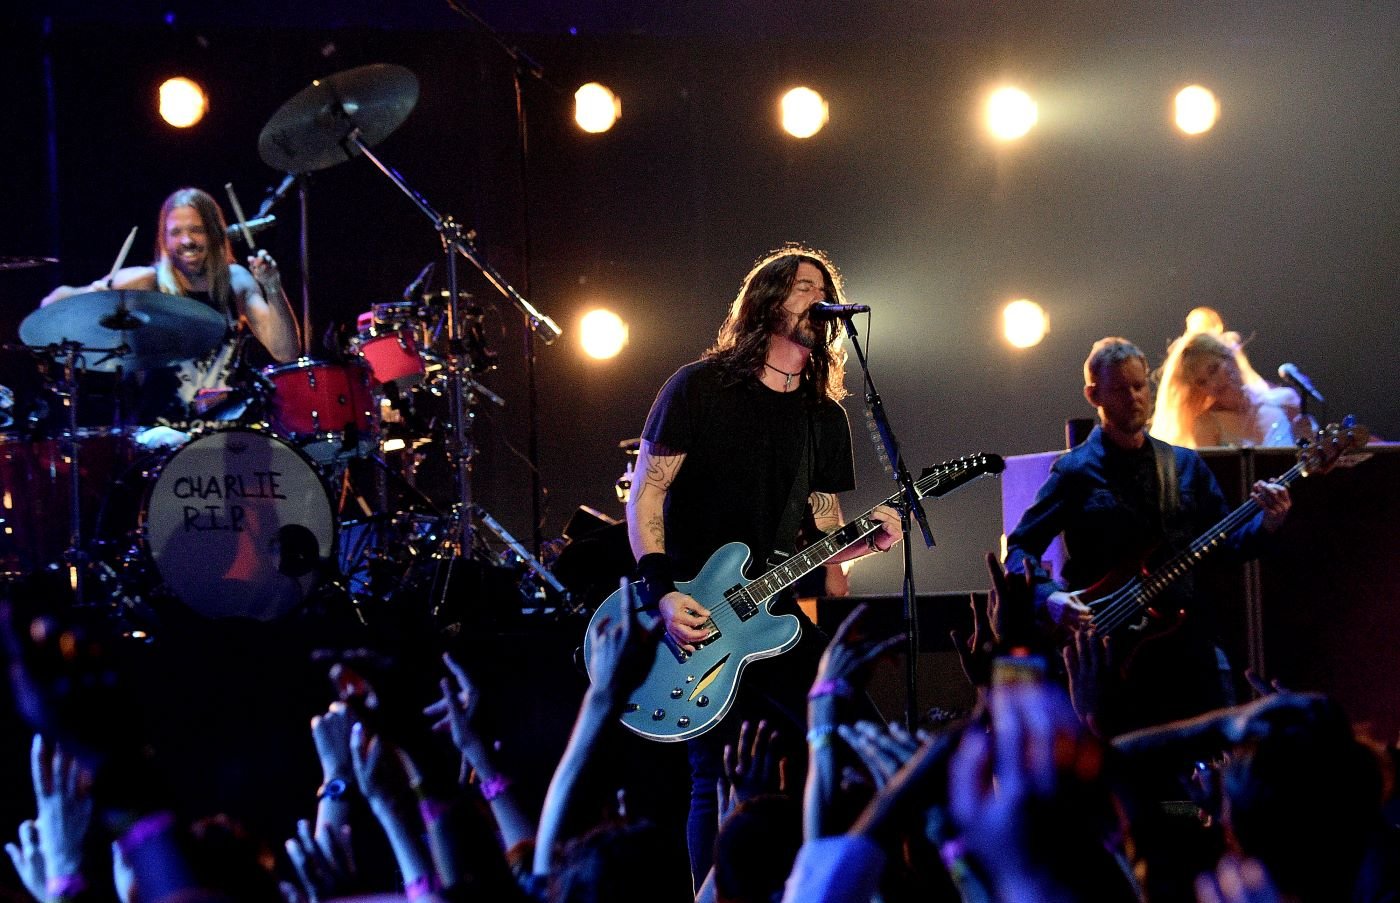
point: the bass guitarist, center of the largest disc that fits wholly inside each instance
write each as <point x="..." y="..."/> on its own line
<point x="742" y="445"/>
<point x="1116" y="497"/>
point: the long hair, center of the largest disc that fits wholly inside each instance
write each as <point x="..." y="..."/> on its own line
<point x="1179" y="402"/>
<point x="757" y="313"/>
<point x="169" y="279"/>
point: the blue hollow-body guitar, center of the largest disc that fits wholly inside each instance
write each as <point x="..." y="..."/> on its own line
<point x="686" y="694"/>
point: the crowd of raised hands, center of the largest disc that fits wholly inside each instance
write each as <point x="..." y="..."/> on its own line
<point x="1024" y="798"/>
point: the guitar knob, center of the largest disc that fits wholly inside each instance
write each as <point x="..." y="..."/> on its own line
<point x="702" y="701"/>
<point x="658" y="714"/>
<point x="683" y="721"/>
<point x="677" y="693"/>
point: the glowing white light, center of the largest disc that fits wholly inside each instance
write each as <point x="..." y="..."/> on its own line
<point x="804" y="112"/>
<point x="1011" y="113"/>
<point x="1196" y="110"/>
<point x="1024" y="323"/>
<point x="182" y="102"/>
<point x="602" y="334"/>
<point x="596" y="108"/>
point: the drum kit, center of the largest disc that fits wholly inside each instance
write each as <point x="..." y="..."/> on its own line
<point x="309" y="477"/>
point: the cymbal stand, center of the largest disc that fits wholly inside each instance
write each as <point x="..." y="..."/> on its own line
<point x="456" y="241"/>
<point x="75" y="556"/>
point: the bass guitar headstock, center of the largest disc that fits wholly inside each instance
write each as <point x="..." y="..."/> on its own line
<point x="1332" y="442"/>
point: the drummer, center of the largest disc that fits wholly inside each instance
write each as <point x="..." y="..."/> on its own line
<point x="195" y="260"/>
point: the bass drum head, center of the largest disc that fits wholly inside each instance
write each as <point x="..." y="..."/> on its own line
<point x="239" y="525"/>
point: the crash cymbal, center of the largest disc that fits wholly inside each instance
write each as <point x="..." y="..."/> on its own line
<point x="20" y="263"/>
<point x="308" y="132"/>
<point x="157" y="329"/>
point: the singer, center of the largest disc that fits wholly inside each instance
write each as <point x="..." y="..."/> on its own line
<point x="1208" y="394"/>
<point x="195" y="260"/>
<point x="745" y="445"/>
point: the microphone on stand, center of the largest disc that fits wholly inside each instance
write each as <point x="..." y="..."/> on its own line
<point x="254" y="226"/>
<point x="1291" y="374"/>
<point x="823" y="311"/>
<point x="276" y="194"/>
<point x="419" y="281"/>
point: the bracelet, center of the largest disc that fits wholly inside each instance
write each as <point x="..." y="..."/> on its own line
<point x="820" y="736"/>
<point x="432" y="810"/>
<point x="418" y="887"/>
<point x="494" y="787"/>
<point x="65" y="885"/>
<point x="143" y="830"/>
<point x="837" y="687"/>
<point x="873" y="546"/>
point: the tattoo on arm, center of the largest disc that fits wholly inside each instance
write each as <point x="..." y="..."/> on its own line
<point x="826" y="510"/>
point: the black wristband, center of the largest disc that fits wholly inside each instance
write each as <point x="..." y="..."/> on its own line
<point x="654" y="576"/>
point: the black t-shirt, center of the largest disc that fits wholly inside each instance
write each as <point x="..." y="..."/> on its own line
<point x="742" y="442"/>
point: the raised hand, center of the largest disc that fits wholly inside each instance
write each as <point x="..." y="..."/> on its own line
<point x="847" y="659"/>
<point x="62" y="790"/>
<point x="330" y="731"/>
<point x="323" y="861"/>
<point x="621" y="652"/>
<point x="883" y="750"/>
<point x="1237" y="881"/>
<point x="752" y="767"/>
<point x="28" y="859"/>
<point x="1086" y="657"/>
<point x="456" y="712"/>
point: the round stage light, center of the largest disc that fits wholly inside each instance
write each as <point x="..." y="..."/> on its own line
<point x="596" y="108"/>
<point x="1196" y="110"/>
<point x="182" y="102"/>
<point x="1024" y="323"/>
<point x="602" y="334"/>
<point x="1011" y="113"/>
<point x="804" y="112"/>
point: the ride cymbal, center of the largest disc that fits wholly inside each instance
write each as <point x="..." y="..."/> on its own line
<point x="310" y="131"/>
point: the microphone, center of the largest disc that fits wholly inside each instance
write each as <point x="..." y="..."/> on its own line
<point x="276" y="194"/>
<point x="254" y="226"/>
<point x="823" y="311"/>
<point x="419" y="281"/>
<point x="1290" y="373"/>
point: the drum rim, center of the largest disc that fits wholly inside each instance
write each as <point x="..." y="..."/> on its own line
<point x="308" y="363"/>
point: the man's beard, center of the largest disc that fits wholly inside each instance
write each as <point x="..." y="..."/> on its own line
<point x="805" y="334"/>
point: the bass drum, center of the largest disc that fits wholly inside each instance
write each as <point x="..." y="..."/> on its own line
<point x="238" y="524"/>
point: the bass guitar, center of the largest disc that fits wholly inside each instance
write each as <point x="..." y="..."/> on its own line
<point x="1122" y="605"/>
<point x="686" y="693"/>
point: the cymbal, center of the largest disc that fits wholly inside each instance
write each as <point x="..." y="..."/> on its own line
<point x="157" y="329"/>
<point x="308" y="132"/>
<point x="20" y="263"/>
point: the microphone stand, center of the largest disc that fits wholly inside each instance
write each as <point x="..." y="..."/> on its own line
<point x="455" y="241"/>
<point x="522" y="63"/>
<point x="912" y="506"/>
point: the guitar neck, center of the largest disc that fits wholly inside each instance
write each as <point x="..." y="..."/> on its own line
<point x="937" y="482"/>
<point x="1205" y="544"/>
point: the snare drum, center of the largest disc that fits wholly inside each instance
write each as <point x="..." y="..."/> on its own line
<point x="327" y="409"/>
<point x="36" y="493"/>
<point x="237" y="524"/>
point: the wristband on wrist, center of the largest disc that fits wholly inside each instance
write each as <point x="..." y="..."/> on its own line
<point x="494" y="787"/>
<point x="65" y="885"/>
<point x="418" y="887"/>
<point x="821" y="736"/>
<point x="837" y="687"/>
<point x="656" y="577"/>
<point x="143" y="830"/>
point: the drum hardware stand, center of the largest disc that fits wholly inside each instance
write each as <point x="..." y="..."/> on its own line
<point x="455" y="241"/>
<point x="523" y="554"/>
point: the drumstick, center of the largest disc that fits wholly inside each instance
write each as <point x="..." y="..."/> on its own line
<point x="121" y="257"/>
<point x="238" y="212"/>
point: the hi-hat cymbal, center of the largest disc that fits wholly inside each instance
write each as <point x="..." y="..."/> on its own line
<point x="157" y="329"/>
<point x="20" y="263"/>
<point x="309" y="131"/>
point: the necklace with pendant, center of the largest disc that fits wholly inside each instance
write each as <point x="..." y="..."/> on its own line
<point x="787" y="377"/>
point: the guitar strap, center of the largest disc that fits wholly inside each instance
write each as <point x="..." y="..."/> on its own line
<point x="1168" y="492"/>
<point x="783" y="540"/>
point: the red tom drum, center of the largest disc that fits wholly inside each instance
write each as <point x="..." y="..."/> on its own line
<point x="325" y="408"/>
